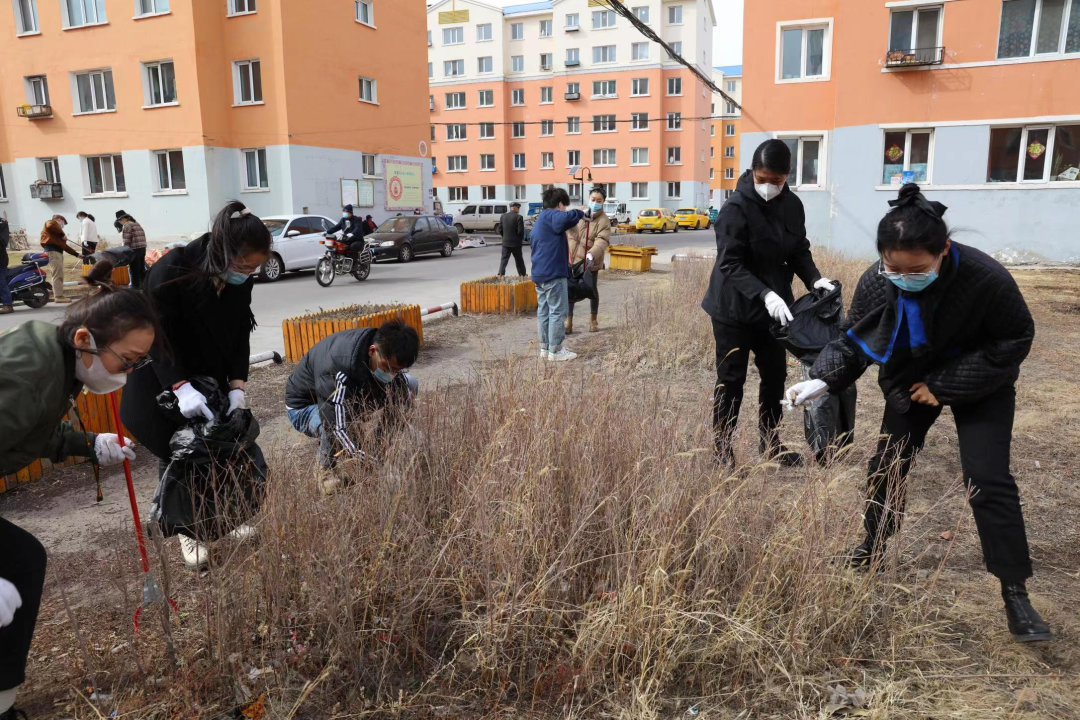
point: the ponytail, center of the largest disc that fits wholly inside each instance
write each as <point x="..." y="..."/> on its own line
<point x="236" y="232"/>
<point x="109" y="312"/>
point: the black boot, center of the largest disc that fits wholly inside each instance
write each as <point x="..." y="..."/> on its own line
<point x="864" y="555"/>
<point x="13" y="714"/>
<point x="772" y="450"/>
<point x="1025" y="623"/>
<point x="725" y="456"/>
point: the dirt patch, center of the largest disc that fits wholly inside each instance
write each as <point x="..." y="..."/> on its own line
<point x="500" y="280"/>
<point x="352" y="312"/>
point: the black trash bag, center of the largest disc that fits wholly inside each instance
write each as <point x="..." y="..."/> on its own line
<point x="829" y="421"/>
<point x="816" y="319"/>
<point x="216" y="474"/>
<point x="118" y="256"/>
<point x="580" y="286"/>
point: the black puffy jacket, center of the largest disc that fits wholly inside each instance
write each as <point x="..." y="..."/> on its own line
<point x="977" y="329"/>
<point x="353" y="226"/>
<point x="760" y="247"/>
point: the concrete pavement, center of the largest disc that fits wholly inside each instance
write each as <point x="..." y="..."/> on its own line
<point x="427" y="281"/>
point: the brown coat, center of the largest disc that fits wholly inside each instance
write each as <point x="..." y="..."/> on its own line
<point x="599" y="237"/>
<point x="53" y="238"/>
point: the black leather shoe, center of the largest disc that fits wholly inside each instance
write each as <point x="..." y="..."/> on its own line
<point x="1025" y="623"/>
<point x="862" y="556"/>
<point x="13" y="714"/>
<point x="781" y="454"/>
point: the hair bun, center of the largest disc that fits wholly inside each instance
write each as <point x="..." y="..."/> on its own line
<point x="909" y="190"/>
<point x="100" y="275"/>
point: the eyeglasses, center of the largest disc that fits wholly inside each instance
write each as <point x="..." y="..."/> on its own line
<point x="905" y="277"/>
<point x="135" y="364"/>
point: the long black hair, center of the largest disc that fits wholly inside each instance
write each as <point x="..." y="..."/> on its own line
<point x="914" y="223"/>
<point x="773" y="155"/>
<point x="109" y="312"/>
<point x="236" y="232"/>
<point x="83" y="213"/>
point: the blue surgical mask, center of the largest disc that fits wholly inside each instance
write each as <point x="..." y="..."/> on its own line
<point x="345" y="215"/>
<point x="382" y="376"/>
<point x="595" y="206"/>
<point x="913" y="284"/>
<point x="236" y="278"/>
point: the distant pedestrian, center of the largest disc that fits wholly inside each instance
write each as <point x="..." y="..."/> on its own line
<point x="5" y="294"/>
<point x="371" y="226"/>
<point x="135" y="238"/>
<point x="589" y="242"/>
<point x="55" y="244"/>
<point x="512" y="228"/>
<point x="88" y="235"/>
<point x="551" y="272"/>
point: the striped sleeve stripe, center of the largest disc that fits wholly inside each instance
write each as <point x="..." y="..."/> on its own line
<point x="340" y="421"/>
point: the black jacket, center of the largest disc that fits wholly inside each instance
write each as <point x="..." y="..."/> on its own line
<point x="5" y="240"/>
<point x="206" y="333"/>
<point x="512" y="227"/>
<point x="353" y="226"/>
<point x="976" y="324"/>
<point x="760" y="247"/>
<point x="334" y="374"/>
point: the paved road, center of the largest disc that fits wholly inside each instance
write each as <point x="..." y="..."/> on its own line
<point x="427" y="281"/>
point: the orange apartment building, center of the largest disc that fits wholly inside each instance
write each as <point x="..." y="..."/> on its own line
<point x="725" y="133"/>
<point x="286" y="105"/>
<point x="978" y="100"/>
<point x="522" y="96"/>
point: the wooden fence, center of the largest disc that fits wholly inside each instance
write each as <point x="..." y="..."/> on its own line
<point x="303" y="332"/>
<point x="496" y="295"/>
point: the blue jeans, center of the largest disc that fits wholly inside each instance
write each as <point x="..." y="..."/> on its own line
<point x="552" y="308"/>
<point x="309" y="421"/>
<point x="5" y="294"/>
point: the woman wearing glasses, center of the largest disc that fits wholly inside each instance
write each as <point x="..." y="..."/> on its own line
<point x="947" y="325"/>
<point x="203" y="293"/>
<point x="42" y="368"/>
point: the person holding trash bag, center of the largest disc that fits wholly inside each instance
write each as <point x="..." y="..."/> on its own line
<point x="761" y="244"/>
<point x="203" y="294"/>
<point x="42" y="368"/>
<point x="947" y="325"/>
<point x="589" y="241"/>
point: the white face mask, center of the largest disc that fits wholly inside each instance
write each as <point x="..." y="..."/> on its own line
<point x="96" y="378"/>
<point x="768" y="191"/>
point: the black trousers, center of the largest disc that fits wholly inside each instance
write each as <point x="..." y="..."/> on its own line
<point x="733" y="346"/>
<point x="137" y="268"/>
<point x="592" y="278"/>
<point x="519" y="260"/>
<point x="22" y="563"/>
<point x="984" y="429"/>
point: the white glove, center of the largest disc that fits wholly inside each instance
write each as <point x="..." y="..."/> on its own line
<point x="10" y="601"/>
<point x="806" y="391"/>
<point x="108" y="450"/>
<point x="824" y="284"/>
<point x="777" y="308"/>
<point x="588" y="260"/>
<point x="237" y="400"/>
<point x="192" y="402"/>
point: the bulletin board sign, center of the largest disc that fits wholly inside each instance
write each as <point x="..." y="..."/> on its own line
<point x="404" y="185"/>
<point x="358" y="193"/>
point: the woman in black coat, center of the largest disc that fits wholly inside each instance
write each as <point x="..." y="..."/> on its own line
<point x="761" y="245"/>
<point x="947" y="325"/>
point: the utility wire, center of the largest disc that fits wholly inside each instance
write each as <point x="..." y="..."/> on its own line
<point x="567" y="122"/>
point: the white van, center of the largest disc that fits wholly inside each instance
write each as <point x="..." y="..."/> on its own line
<point x="480" y="218"/>
<point x="616" y="211"/>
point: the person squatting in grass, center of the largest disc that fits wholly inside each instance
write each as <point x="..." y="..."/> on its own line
<point x="42" y="369"/>
<point x="551" y="272"/>
<point x="947" y="325"/>
<point x="345" y="378"/>
<point x="761" y="245"/>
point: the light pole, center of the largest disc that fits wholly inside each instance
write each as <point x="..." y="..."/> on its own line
<point x="581" y="174"/>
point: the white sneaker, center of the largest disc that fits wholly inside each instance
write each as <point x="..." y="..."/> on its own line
<point x="545" y="355"/>
<point x="196" y="554"/>
<point x="563" y="355"/>
<point x="242" y="533"/>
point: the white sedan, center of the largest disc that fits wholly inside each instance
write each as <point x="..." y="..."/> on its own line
<point x="296" y="244"/>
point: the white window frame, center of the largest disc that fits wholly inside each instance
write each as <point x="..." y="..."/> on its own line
<point x="457" y="163"/>
<point x="450" y="68"/>
<point x="455" y="34"/>
<point x="676" y="83"/>
<point x="480" y="96"/>
<point x="826" y="49"/>
<point x="547" y="128"/>
<point x="97" y="6"/>
<point x="517" y="130"/>
<point x="712" y="173"/>
<point x="639" y="122"/>
<point x="606" y="18"/>
<point x="635" y="87"/>
<point x="729" y="129"/>
<point x="674" y="122"/>
<point x="517" y="31"/>
<point x="480" y="33"/>
<point x="102" y="159"/>
<point x="156" y="8"/>
<point x="456" y="95"/>
<point x="673" y="155"/>
<point x="676" y="47"/>
<point x="250" y="7"/>
<point x="907" y="151"/>
<point x="600" y="51"/>
<point x="607" y="158"/>
<point x="519" y="192"/>
<point x="573" y="57"/>
<point x="367" y="165"/>
<point x="50" y="164"/>
<point x="461" y="191"/>
<point x="547" y="161"/>
<point x="106" y="75"/>
<point x="430" y="70"/>
<point x="548" y="92"/>
<point x="456" y="132"/>
<point x="573" y="121"/>
<point x="639" y="51"/>
<point x="674" y="11"/>
<point x="729" y="152"/>
<point x="484" y="127"/>
<point x="517" y="97"/>
<point x="372" y="86"/>
<point x="485" y="68"/>
<point x="160" y="187"/>
<point x="487" y="192"/>
<point x="519" y="156"/>
<point x="729" y="173"/>
<point x="247" y="66"/>
<point x="37" y="87"/>
<point x="608" y="89"/>
<point x="607" y="121"/>
<point x="517" y="63"/>
<point x="730" y="86"/>
<point x="823" y="155"/>
<point x="546" y="25"/>
<point x="1048" y="155"/>
<point x="641" y="12"/>
<point x="674" y="185"/>
<point x="573" y="158"/>
<point x="149" y="71"/>
<point x="575" y="23"/>
<point x="370" y="7"/>
<point x="635" y="196"/>
<point x="636" y="156"/>
<point x="1071" y="6"/>
<point x="21" y="27"/>
<point x="261" y="168"/>
<point x="915" y="10"/>
<point x="487" y="162"/>
<point x="547" y="62"/>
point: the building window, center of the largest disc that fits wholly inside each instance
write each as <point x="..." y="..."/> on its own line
<point x="453" y="36"/>
<point x="547" y="161"/>
<point x="1044" y="153"/>
<point x="674" y="15"/>
<point x="642" y="13"/>
<point x="545" y="28"/>
<point x="905" y="151"/>
<point x="676" y="47"/>
<point x="517" y="63"/>
<point x="517" y="96"/>
<point x="674" y="86"/>
<point x="517" y="31"/>
<point x="603" y="123"/>
<point x="729" y="130"/>
<point x="37" y="90"/>
<point x="83" y="12"/>
<point x="603" y="54"/>
<point x="429" y="43"/>
<point x="95" y="91"/>
<point x="639" y="51"/>
<point x="457" y="131"/>
<point x="915" y="31"/>
<point x="160" y="83"/>
<point x="453" y="68"/>
<point x="572" y="21"/>
<point x="26" y="20"/>
<point x="674" y="156"/>
<point x="806" y="169"/>
<point x="639" y="156"/>
<point x="674" y="190"/>
<point x="729" y="86"/>
<point x="457" y="163"/>
<point x="430" y="70"/>
<point x="804" y="52"/>
<point x="729" y="173"/>
<point x="712" y="152"/>
<point x="50" y="170"/>
<point x="639" y="87"/>
<point x="3" y="187"/>
<point x="432" y="133"/>
<point x="519" y="192"/>
<point x="367" y="164"/>
<point x="573" y="158"/>
<point x="487" y="192"/>
<point x="519" y="161"/>
<point x="517" y="130"/>
<point x="639" y="191"/>
<point x="573" y="125"/>
<point x="603" y="157"/>
<point x="487" y="131"/>
<point x="547" y="95"/>
<point x="106" y="174"/>
<point x="365" y="13"/>
<point x="674" y="121"/>
<point x="152" y="7"/>
<point x="483" y="65"/>
<point x="729" y="107"/>
<point x="241" y="7"/>
<point x="574" y="191"/>
<point x="547" y="128"/>
<point x="369" y="90"/>
<point x="639" y="121"/>
<point x="170" y="170"/>
<point x="483" y="32"/>
<point x="545" y="61"/>
<point x="729" y="151"/>
<point x="603" y="89"/>
<point x="255" y="175"/>
<point x="712" y="173"/>
<point x="1038" y="27"/>
<point x="572" y="57"/>
<point x="603" y="19"/>
<point x="247" y="79"/>
<point x="455" y="100"/>
<point x="458" y="194"/>
<point x="712" y="130"/>
<point x="486" y="98"/>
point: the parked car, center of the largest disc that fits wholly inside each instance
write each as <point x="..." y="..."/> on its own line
<point x="296" y="244"/>
<point x="480" y="218"/>
<point x="692" y="218"/>
<point x="656" y="220"/>
<point x="407" y="236"/>
<point x="616" y="211"/>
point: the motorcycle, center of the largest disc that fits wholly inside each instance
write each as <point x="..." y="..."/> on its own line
<point x="27" y="283"/>
<point x="336" y="261"/>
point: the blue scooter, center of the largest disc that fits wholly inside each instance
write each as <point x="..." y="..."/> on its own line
<point x="27" y="281"/>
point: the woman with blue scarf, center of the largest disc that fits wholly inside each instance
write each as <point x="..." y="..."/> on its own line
<point x="947" y="325"/>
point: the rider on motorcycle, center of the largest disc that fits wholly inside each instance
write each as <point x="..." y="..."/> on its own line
<point x="353" y="231"/>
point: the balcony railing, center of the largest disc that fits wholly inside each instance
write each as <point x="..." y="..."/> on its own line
<point x="916" y="57"/>
<point x="572" y="63"/>
<point x="573" y="96"/>
<point x="572" y="28"/>
<point x="42" y="190"/>
<point x="34" y="111"/>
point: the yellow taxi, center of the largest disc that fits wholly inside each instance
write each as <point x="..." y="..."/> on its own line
<point x="656" y="220"/>
<point x="692" y="218"/>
